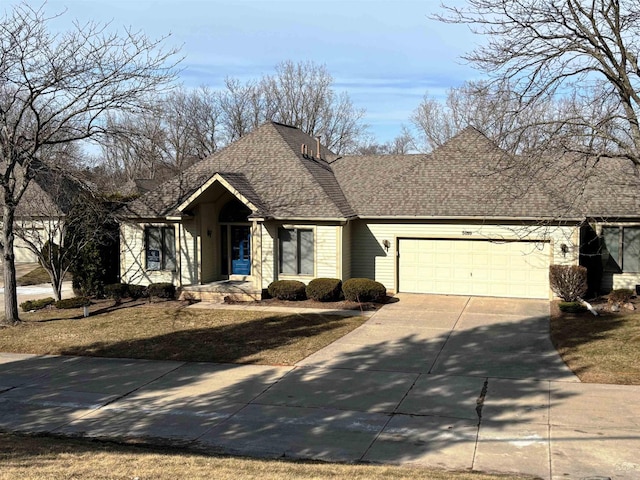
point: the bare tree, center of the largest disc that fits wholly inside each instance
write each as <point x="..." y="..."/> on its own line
<point x="580" y="56"/>
<point x="174" y="132"/>
<point x="301" y="95"/>
<point x="402" y="144"/>
<point x="58" y="217"/>
<point x="57" y="89"/>
<point x="187" y="125"/>
<point x="242" y="108"/>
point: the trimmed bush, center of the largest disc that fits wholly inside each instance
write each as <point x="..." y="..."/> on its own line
<point x="139" y="291"/>
<point x="287" y="290"/>
<point x="363" y="290"/>
<point x="162" y="290"/>
<point x="116" y="291"/>
<point x="36" y="304"/>
<point x="324" y="289"/>
<point x="568" y="281"/>
<point x="75" y="302"/>
<point x="620" y="296"/>
<point x="572" y="307"/>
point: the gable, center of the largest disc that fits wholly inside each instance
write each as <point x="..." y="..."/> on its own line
<point x="266" y="171"/>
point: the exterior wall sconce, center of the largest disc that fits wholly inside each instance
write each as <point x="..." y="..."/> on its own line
<point x="564" y="249"/>
<point x="209" y="232"/>
<point x="386" y="244"/>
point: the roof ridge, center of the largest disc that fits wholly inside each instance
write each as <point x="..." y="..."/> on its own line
<point x="338" y="199"/>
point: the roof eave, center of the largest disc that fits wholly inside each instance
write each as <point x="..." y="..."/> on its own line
<point x="469" y="217"/>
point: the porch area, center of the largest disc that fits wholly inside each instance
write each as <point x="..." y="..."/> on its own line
<point x="221" y="291"/>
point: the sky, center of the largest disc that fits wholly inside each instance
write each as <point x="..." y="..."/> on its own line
<point x="386" y="54"/>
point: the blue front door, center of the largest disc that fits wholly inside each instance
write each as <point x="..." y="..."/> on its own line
<point x="240" y="250"/>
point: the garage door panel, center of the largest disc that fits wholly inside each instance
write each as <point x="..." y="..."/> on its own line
<point x="469" y="267"/>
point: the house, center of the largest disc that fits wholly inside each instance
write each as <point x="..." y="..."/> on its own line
<point x="39" y="216"/>
<point x="461" y="220"/>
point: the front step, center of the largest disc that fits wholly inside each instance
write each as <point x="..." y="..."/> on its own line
<point x="219" y="292"/>
<point x="219" y="297"/>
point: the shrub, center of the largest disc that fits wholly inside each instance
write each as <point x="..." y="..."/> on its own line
<point x="116" y="291"/>
<point x="620" y="296"/>
<point x="324" y="289"/>
<point x="287" y="290"/>
<point x="162" y="290"/>
<point x="138" y="291"/>
<point x="568" y="281"/>
<point x="75" y="302"/>
<point x="572" y="307"/>
<point x="363" y="290"/>
<point x="36" y="304"/>
<point x="96" y="246"/>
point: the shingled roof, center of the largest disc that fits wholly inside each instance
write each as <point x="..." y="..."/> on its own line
<point x="468" y="177"/>
<point x="459" y="179"/>
<point x="285" y="182"/>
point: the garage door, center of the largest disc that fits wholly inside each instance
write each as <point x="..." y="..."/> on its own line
<point x="474" y="267"/>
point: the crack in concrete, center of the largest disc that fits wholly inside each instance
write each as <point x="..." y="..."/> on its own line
<point x="480" y="400"/>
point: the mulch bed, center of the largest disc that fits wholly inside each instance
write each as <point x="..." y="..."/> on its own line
<point x="341" y="305"/>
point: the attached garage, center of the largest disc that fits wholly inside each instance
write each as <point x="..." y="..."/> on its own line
<point x="518" y="269"/>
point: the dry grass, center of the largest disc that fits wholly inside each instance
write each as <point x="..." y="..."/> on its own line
<point x="168" y="331"/>
<point x="603" y="349"/>
<point x="30" y="458"/>
<point x="36" y="276"/>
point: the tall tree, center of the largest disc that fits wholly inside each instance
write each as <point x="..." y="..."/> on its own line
<point x="301" y="95"/>
<point x="491" y="107"/>
<point x="56" y="89"/>
<point x="580" y="55"/>
<point x="175" y="131"/>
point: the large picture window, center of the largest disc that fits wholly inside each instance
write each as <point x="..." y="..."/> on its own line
<point x="296" y="251"/>
<point x="160" y="248"/>
<point x="621" y="249"/>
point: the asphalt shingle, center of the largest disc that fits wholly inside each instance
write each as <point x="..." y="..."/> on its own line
<point x="467" y="177"/>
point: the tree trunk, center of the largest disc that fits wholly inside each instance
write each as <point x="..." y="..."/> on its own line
<point x="9" y="263"/>
<point x="57" y="289"/>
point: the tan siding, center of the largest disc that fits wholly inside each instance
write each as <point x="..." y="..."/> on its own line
<point x="624" y="280"/>
<point x="371" y="260"/>
<point x="269" y="234"/>
<point x="38" y="232"/>
<point x="209" y="242"/>
<point x="189" y="253"/>
<point x="346" y="251"/>
<point x="326" y="245"/>
<point x="132" y="259"/>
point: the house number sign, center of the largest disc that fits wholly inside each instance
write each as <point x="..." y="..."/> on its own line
<point x="467" y="232"/>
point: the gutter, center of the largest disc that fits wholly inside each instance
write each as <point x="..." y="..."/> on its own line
<point x="462" y="217"/>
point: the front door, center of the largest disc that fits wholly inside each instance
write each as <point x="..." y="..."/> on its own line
<point x="240" y="250"/>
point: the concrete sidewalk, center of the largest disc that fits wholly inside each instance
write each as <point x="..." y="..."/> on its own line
<point x="451" y="382"/>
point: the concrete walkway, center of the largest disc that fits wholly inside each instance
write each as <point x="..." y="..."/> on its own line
<point x="32" y="292"/>
<point x="439" y="381"/>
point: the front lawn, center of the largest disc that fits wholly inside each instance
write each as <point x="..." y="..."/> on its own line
<point x="169" y="331"/>
<point x="603" y="349"/>
<point x="31" y="458"/>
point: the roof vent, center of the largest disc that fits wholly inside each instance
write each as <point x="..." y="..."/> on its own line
<point x="304" y="150"/>
<point x="318" y="146"/>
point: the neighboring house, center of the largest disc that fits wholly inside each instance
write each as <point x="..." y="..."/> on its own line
<point x="41" y="211"/>
<point x="276" y="205"/>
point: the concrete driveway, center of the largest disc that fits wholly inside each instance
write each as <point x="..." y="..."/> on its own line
<point x="441" y="381"/>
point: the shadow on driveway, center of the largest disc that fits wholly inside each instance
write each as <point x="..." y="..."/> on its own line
<point x="458" y="392"/>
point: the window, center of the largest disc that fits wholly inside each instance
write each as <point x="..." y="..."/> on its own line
<point x="161" y="248"/>
<point x="296" y="251"/>
<point x="621" y="249"/>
